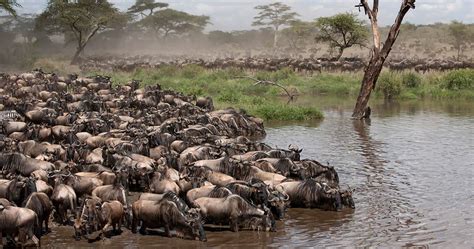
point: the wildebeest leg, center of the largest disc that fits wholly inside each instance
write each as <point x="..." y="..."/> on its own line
<point x="134" y="224"/>
<point x="46" y="223"/>
<point x="60" y="211"/>
<point x="33" y="237"/>
<point x="234" y="225"/>
<point x="104" y="229"/>
<point x="119" y="230"/>
<point x="143" y="229"/>
<point x="167" y="230"/>
<point x="22" y="236"/>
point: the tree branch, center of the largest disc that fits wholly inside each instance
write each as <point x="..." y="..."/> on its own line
<point x="268" y="82"/>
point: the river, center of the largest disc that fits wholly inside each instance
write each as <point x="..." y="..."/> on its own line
<point x="411" y="168"/>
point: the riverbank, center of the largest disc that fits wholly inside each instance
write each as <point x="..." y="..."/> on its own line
<point x="229" y="88"/>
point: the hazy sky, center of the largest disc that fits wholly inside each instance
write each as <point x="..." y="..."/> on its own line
<point x="238" y="14"/>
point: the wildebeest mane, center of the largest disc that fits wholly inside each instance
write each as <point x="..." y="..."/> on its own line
<point x="171" y="196"/>
<point x="12" y="162"/>
<point x="309" y="190"/>
<point x="220" y="192"/>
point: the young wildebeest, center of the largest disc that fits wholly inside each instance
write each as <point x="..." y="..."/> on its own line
<point x="98" y="216"/>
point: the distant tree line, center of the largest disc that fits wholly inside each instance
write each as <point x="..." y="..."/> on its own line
<point x="80" y="23"/>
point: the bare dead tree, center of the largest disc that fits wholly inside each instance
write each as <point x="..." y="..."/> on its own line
<point x="379" y="53"/>
<point x="271" y="83"/>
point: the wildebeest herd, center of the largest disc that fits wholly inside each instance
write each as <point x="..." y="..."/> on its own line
<point x="78" y="151"/>
<point x="303" y="65"/>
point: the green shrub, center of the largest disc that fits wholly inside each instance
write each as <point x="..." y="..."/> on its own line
<point x="411" y="80"/>
<point x="389" y="84"/>
<point x="278" y="111"/>
<point x="458" y="79"/>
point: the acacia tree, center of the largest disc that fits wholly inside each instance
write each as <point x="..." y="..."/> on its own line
<point x="9" y="6"/>
<point x="341" y="31"/>
<point x="142" y="6"/>
<point x="172" y="22"/>
<point x="460" y="36"/>
<point x="379" y="53"/>
<point x="274" y="15"/>
<point x="79" y="20"/>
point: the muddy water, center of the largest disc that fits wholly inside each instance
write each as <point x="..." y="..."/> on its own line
<point x="412" y="170"/>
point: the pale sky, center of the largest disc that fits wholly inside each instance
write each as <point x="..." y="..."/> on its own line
<point x="238" y="14"/>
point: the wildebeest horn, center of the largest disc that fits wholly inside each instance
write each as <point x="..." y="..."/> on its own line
<point x="326" y="188"/>
<point x="293" y="147"/>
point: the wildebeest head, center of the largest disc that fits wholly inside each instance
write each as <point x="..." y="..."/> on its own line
<point x="297" y="152"/>
<point x="79" y="227"/>
<point x="332" y="197"/>
<point x="30" y="185"/>
<point x="347" y="200"/>
<point x="196" y="225"/>
<point x="278" y="204"/>
<point x="17" y="191"/>
<point x="87" y="220"/>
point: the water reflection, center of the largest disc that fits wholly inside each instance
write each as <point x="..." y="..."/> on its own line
<point x="384" y="108"/>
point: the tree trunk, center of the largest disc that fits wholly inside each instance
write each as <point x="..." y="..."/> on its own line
<point x="77" y="55"/>
<point x="339" y="56"/>
<point x="275" y="39"/>
<point x="379" y="56"/>
<point x="371" y="75"/>
<point x="82" y="44"/>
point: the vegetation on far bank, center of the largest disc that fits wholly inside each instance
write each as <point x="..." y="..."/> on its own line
<point x="228" y="88"/>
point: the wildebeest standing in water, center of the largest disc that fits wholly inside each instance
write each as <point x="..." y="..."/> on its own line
<point x="165" y="213"/>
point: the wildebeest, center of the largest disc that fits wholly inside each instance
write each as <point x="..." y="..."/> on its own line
<point x="18" y="163"/>
<point x="165" y="213"/>
<point x="92" y="139"/>
<point x="257" y="193"/>
<point x="17" y="221"/>
<point x="63" y="198"/>
<point x="99" y="216"/>
<point x="17" y="189"/>
<point x="312" y="194"/>
<point x="231" y="210"/>
<point x="42" y="206"/>
<point x="321" y="173"/>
